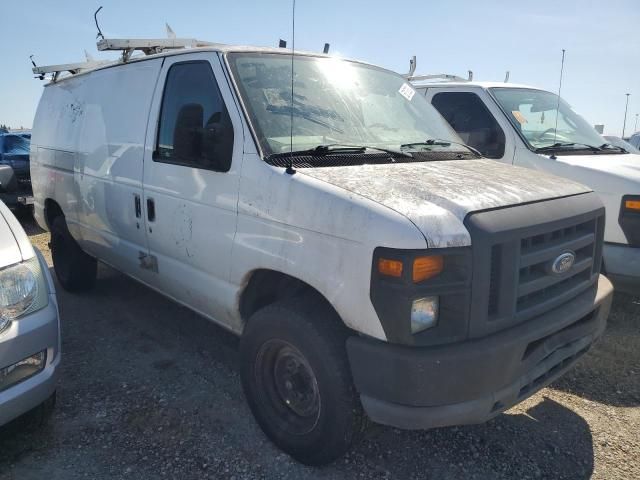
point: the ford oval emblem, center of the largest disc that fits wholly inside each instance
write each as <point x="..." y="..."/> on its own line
<point x="563" y="263"/>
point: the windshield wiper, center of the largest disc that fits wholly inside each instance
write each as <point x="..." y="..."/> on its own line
<point x="440" y="142"/>
<point x="608" y="146"/>
<point x="564" y="146"/>
<point x="340" y="149"/>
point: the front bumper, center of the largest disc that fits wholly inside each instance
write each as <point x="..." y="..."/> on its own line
<point x="622" y="264"/>
<point x="471" y="382"/>
<point x="25" y="337"/>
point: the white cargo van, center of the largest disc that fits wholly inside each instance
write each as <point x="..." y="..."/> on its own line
<point x="367" y="267"/>
<point x="517" y="124"/>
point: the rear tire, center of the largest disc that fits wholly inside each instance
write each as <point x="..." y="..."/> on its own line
<point x="76" y="271"/>
<point x="297" y="381"/>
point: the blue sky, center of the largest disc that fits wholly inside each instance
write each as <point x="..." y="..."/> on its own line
<point x="602" y="40"/>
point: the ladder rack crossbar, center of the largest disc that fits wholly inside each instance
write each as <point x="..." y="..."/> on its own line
<point x="149" y="45"/>
<point x="437" y="76"/>
<point x="67" y="67"/>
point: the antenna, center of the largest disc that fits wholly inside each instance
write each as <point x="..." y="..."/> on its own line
<point x="95" y="18"/>
<point x="555" y="130"/>
<point x="506" y="77"/>
<point x="290" y="169"/>
<point x="470" y="75"/>
<point x="626" y="108"/>
<point x="325" y="50"/>
<point x="170" y="32"/>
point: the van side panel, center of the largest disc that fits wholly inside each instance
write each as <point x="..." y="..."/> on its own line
<point x="87" y="149"/>
<point x="109" y="166"/>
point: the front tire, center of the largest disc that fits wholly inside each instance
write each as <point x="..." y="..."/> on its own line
<point x="76" y="271"/>
<point x="296" y="377"/>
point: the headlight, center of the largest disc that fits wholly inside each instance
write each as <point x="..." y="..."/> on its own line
<point x="22" y="290"/>
<point x="422" y="296"/>
<point x="424" y="313"/>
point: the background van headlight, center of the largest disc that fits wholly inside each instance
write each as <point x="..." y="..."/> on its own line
<point x="23" y="290"/>
<point x="424" y="313"/>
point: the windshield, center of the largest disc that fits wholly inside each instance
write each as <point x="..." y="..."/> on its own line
<point x="334" y="102"/>
<point x="14" y="145"/>
<point x="618" y="142"/>
<point x="533" y="113"/>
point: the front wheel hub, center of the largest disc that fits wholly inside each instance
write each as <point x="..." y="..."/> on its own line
<point x="290" y="385"/>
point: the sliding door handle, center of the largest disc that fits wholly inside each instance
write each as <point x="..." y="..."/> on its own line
<point x="151" y="209"/>
<point x="137" y="205"/>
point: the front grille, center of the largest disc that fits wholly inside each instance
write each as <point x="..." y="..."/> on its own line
<point x="513" y="253"/>
<point x="537" y="288"/>
<point x="536" y="282"/>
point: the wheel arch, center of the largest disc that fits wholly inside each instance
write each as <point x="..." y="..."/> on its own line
<point x="266" y="286"/>
<point x="52" y="209"/>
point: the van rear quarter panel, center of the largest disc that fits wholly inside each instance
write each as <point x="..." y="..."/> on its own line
<point x="53" y="146"/>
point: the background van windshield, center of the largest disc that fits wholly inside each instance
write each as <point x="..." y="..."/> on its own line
<point x="533" y="113"/>
<point x="335" y="101"/>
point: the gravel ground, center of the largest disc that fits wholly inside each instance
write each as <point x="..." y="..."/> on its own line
<point x="150" y="390"/>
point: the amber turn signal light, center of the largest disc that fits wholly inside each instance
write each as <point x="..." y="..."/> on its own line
<point x="632" y="205"/>
<point x="427" y="267"/>
<point x="391" y="268"/>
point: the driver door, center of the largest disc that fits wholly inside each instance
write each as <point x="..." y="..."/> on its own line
<point x="191" y="181"/>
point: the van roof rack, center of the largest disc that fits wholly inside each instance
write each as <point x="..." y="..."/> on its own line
<point x="148" y="46"/>
<point x="441" y="76"/>
<point x="127" y="46"/>
<point x="437" y="76"/>
<point x="71" y="68"/>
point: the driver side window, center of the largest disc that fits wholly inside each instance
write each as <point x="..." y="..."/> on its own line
<point x="195" y="129"/>
<point x="471" y="120"/>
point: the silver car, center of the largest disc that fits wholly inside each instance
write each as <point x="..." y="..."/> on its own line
<point x="29" y="324"/>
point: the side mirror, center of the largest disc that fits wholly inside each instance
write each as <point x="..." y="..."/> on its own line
<point x="8" y="181"/>
<point x="187" y="134"/>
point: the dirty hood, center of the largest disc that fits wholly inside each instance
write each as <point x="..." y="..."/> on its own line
<point x="437" y="196"/>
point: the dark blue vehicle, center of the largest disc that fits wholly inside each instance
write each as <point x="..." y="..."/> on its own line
<point x="15" y="177"/>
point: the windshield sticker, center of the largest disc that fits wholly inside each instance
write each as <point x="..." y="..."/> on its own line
<point x="519" y="117"/>
<point x="406" y="91"/>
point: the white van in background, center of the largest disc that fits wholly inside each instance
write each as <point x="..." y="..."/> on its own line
<point x="366" y="268"/>
<point x="517" y="124"/>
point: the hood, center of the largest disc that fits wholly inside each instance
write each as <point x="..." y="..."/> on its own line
<point x="19" y="163"/>
<point x="626" y="165"/>
<point x="14" y="243"/>
<point x="437" y="196"/>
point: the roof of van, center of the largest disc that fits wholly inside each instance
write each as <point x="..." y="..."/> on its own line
<point x="484" y="85"/>
<point x="217" y="47"/>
